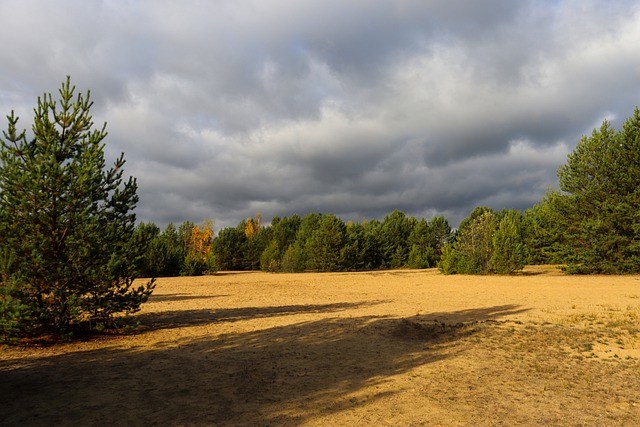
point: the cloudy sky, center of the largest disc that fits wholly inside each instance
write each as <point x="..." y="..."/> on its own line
<point x="225" y="108"/>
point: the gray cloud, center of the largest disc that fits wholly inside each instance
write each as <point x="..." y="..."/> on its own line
<point x="228" y="108"/>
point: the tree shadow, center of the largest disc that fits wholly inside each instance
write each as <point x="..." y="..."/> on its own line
<point x="180" y="297"/>
<point x="183" y="318"/>
<point x="474" y="314"/>
<point x="284" y="375"/>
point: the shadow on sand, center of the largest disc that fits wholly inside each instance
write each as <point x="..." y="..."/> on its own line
<point x="284" y="375"/>
<point x="179" y="297"/>
<point x="183" y="318"/>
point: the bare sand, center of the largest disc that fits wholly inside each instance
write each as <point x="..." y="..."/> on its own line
<point x="395" y="348"/>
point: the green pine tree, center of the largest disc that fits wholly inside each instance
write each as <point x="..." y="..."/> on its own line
<point x="67" y="219"/>
<point x="599" y="208"/>
<point x="324" y="248"/>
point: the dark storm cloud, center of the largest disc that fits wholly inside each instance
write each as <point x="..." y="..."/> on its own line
<point x="228" y="108"/>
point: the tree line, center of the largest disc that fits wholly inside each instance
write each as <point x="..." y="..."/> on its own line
<point x="316" y="242"/>
<point x="486" y="242"/>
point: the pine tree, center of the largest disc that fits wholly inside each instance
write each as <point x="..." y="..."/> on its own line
<point x="396" y="229"/>
<point x="423" y="245"/>
<point x="324" y="248"/>
<point x="599" y="208"/>
<point x="67" y="220"/>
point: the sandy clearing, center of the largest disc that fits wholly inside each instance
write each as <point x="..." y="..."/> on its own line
<point x="406" y="347"/>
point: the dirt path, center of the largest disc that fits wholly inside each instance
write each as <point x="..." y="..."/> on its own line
<point x="397" y="348"/>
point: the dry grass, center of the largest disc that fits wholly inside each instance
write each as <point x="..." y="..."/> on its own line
<point x="397" y="348"/>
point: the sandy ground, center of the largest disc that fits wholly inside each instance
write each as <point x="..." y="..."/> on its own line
<point x="396" y="348"/>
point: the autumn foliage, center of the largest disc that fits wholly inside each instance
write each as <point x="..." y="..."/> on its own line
<point x="199" y="255"/>
<point x="201" y="238"/>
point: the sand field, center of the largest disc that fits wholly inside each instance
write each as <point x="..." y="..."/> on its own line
<point x="384" y="348"/>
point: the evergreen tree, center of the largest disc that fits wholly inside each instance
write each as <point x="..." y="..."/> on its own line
<point x="353" y="252"/>
<point x="68" y="220"/>
<point x="395" y="236"/>
<point x="172" y="252"/>
<point x="422" y="244"/>
<point x="308" y="225"/>
<point x="544" y="232"/>
<point x="450" y="260"/>
<point x="152" y="260"/>
<point x="324" y="248"/>
<point x="441" y="231"/>
<point x="372" y="251"/>
<point x="599" y="208"/>
<point x="229" y="247"/>
<point x="284" y="231"/>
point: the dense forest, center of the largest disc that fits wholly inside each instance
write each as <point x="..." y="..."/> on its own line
<point x="590" y="225"/>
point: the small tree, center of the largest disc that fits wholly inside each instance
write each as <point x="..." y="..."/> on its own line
<point x="450" y="260"/>
<point x="66" y="219"/>
<point x="290" y="260"/>
<point x="472" y="252"/>
<point x="476" y="243"/>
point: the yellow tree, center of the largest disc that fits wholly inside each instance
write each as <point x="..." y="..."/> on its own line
<point x="201" y="238"/>
<point x="252" y="225"/>
<point x="199" y="256"/>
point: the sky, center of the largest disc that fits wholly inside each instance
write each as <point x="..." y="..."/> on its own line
<point x="226" y="108"/>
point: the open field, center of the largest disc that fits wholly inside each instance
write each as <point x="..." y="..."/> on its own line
<point x="396" y="348"/>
